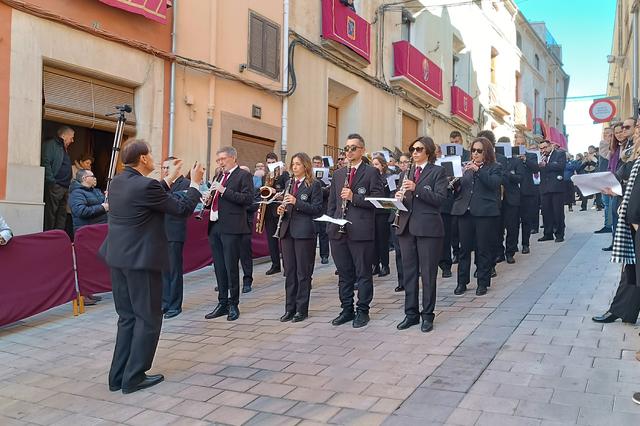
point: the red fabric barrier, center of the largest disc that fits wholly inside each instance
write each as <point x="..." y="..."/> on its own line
<point x="37" y="274"/>
<point x="196" y="252"/>
<point x="93" y="273"/>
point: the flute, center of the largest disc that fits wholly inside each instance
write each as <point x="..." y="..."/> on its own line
<point x="408" y="175"/>
<point x="286" y="192"/>
<point x="207" y="201"/>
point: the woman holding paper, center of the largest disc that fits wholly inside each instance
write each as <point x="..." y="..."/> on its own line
<point x="477" y="205"/>
<point x="382" y="227"/>
<point x="296" y="231"/>
<point x="420" y="231"/>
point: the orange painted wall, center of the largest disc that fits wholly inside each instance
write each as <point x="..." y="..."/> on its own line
<point x="5" y="56"/>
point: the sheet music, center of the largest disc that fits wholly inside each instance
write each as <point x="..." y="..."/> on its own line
<point x="592" y="183"/>
<point x="329" y="219"/>
<point x="386" y="203"/>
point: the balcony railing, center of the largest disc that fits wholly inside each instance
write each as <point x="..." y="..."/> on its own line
<point x="346" y="33"/>
<point x="416" y="74"/>
<point x="461" y="105"/>
<point x="497" y="102"/>
<point x="523" y="119"/>
<point x="333" y="151"/>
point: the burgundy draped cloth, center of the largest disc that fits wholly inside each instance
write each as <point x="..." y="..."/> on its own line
<point x="37" y="274"/>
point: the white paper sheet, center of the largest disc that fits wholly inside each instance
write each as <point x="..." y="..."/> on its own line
<point x="274" y="166"/>
<point x="322" y="174"/>
<point x="592" y="183"/>
<point x="456" y="162"/>
<point x="386" y="203"/>
<point x="325" y="218"/>
<point x="451" y="149"/>
<point x="391" y="182"/>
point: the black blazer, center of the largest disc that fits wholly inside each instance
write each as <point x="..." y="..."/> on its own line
<point x="423" y="218"/>
<point x="529" y="167"/>
<point x="136" y="238"/>
<point x="633" y="209"/>
<point x="298" y="220"/>
<point x="325" y="194"/>
<point x="552" y="175"/>
<point x="511" y="180"/>
<point x="479" y="192"/>
<point x="386" y="193"/>
<point x="176" y="226"/>
<point x="361" y="214"/>
<point x="233" y="204"/>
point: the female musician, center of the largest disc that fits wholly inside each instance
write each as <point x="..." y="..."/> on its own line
<point x="297" y="235"/>
<point x="382" y="226"/>
<point x="420" y="231"/>
<point x="477" y="205"/>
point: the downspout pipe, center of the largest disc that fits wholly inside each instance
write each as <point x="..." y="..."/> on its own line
<point x="172" y="83"/>
<point x="285" y="80"/>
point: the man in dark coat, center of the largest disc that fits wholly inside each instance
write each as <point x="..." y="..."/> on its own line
<point x="87" y="203"/>
<point x="552" y="191"/>
<point x="57" y="177"/>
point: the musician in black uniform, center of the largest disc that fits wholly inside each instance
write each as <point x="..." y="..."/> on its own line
<point x="352" y="246"/>
<point x="232" y="193"/>
<point x="271" y="217"/>
<point x="529" y="195"/>
<point x="511" y="201"/>
<point x="552" y="189"/>
<point x="420" y="231"/>
<point x="477" y="206"/>
<point x="321" y="227"/>
<point x="246" y="252"/>
<point x="382" y="226"/>
<point x="301" y="205"/>
<point x="446" y="261"/>
<point x="136" y="251"/>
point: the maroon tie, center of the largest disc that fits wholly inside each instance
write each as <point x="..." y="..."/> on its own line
<point x="352" y="173"/>
<point x="214" y="204"/>
<point x="416" y="175"/>
<point x="295" y="188"/>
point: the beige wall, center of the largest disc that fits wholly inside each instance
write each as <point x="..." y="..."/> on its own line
<point x="620" y="70"/>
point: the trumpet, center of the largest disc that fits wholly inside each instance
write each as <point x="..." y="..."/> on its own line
<point x="342" y="229"/>
<point x="408" y="175"/>
<point x="207" y="200"/>
<point x="286" y="192"/>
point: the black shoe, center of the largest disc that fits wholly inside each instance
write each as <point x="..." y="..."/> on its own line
<point x="361" y="319"/>
<point x="493" y="272"/>
<point x="427" y="326"/>
<point x="398" y="289"/>
<point x="172" y="314"/>
<point x="299" y="317"/>
<point x="603" y="230"/>
<point x="216" y="288"/>
<point x="336" y="272"/>
<point x="324" y="260"/>
<point x="288" y="316"/>
<point x="219" y="311"/>
<point x="234" y="313"/>
<point x="460" y="289"/>
<point x="446" y="273"/>
<point x="115" y="388"/>
<point x="545" y="238"/>
<point x="454" y="259"/>
<point x="147" y="382"/>
<point x="636" y="397"/>
<point x="407" y="322"/>
<point x="481" y="291"/>
<point x="525" y="250"/>
<point x="559" y="239"/>
<point x="384" y="271"/>
<point x="376" y="270"/>
<point x="273" y="270"/>
<point x="343" y="318"/>
<point x="605" y="318"/>
<point x="499" y="259"/>
<point x="570" y="208"/>
<point x="246" y="289"/>
<point x="610" y="248"/>
<point x="510" y="260"/>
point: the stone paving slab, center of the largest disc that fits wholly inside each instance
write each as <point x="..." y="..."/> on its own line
<point x="525" y="354"/>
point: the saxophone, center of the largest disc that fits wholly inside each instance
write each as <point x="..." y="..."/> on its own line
<point x="342" y="229"/>
<point x="408" y="175"/>
<point x="267" y="193"/>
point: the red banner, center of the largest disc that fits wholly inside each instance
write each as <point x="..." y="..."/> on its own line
<point x="37" y="274"/>
<point x="410" y="63"/>
<point x="461" y="104"/>
<point x="341" y="24"/>
<point x="151" y="9"/>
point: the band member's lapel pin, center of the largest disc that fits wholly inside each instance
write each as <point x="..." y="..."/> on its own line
<point x="362" y="190"/>
<point x="304" y="197"/>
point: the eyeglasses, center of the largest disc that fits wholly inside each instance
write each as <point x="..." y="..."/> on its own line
<point x="417" y="149"/>
<point x="627" y="127"/>
<point x="477" y="150"/>
<point x="351" y="148"/>
<point x="165" y="167"/>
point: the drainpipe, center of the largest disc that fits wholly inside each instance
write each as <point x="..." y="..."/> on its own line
<point x="285" y="79"/>
<point x="172" y="90"/>
<point x="635" y="61"/>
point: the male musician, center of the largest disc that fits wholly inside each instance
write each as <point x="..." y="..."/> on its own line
<point x="529" y="194"/>
<point x="513" y="171"/>
<point x="232" y="194"/>
<point x="352" y="246"/>
<point x="136" y="250"/>
<point x="321" y="227"/>
<point x="552" y="190"/>
<point x="271" y="217"/>
<point x="246" y="252"/>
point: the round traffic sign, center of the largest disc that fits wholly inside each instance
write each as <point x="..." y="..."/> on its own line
<point x="602" y="110"/>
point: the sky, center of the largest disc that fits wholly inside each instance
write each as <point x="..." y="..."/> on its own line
<point x="584" y="28"/>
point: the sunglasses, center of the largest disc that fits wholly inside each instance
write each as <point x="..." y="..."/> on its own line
<point x="477" y="150"/>
<point x="351" y="148"/>
<point x="627" y="127"/>
<point x="417" y="149"/>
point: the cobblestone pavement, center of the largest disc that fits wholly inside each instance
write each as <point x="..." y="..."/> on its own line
<point x="525" y="354"/>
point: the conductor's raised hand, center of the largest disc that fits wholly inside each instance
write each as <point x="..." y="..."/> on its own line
<point x="175" y="169"/>
<point x="197" y="173"/>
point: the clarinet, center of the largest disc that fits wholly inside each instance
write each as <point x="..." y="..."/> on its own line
<point x="408" y="175"/>
<point x="208" y="202"/>
<point x="342" y="229"/>
<point x="286" y="192"/>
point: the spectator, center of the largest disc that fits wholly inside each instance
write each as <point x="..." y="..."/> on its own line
<point x="258" y="175"/>
<point x="57" y="177"/>
<point x="83" y="163"/>
<point x="5" y="232"/>
<point x="603" y="166"/>
<point x="87" y="203"/>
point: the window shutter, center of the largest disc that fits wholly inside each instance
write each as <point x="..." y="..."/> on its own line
<point x="271" y="47"/>
<point x="264" y="46"/>
<point x="255" y="43"/>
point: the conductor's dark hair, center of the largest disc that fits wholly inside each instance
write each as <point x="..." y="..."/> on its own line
<point x="133" y="150"/>
<point x="356" y="136"/>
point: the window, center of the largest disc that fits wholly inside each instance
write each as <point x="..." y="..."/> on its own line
<point x="519" y="40"/>
<point x="407" y="20"/>
<point x="454" y="76"/>
<point x="536" y="61"/>
<point x="264" y="46"/>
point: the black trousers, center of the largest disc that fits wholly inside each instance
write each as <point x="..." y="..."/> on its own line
<point x="398" y="252"/>
<point x="137" y="295"/>
<point x="55" y="206"/>
<point x="353" y="260"/>
<point x="511" y="221"/>
<point x="246" y="260"/>
<point x="323" y="238"/>
<point x="626" y="302"/>
<point x="270" y="226"/>
<point x="172" y="283"/>
<point x="420" y="258"/>
<point x="382" y="231"/>
<point x="553" y="214"/>
<point x="529" y="212"/>
<point x="445" y="256"/>
<point x="226" y="255"/>
<point x="479" y="233"/>
<point x="455" y="236"/>
<point x="298" y="257"/>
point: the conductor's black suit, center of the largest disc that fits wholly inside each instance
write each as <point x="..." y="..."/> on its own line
<point x="552" y="190"/>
